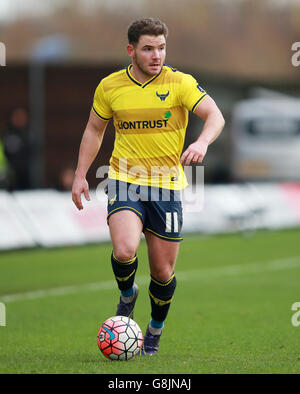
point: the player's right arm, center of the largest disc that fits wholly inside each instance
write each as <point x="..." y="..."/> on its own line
<point x="89" y="147"/>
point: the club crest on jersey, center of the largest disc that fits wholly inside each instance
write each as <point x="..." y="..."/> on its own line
<point x="163" y="96"/>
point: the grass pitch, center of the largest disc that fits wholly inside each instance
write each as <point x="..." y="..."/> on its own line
<point x="231" y="311"/>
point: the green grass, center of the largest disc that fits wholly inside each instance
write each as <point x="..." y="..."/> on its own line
<point x="221" y="320"/>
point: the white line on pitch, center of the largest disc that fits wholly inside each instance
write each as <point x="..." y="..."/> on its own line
<point x="201" y="274"/>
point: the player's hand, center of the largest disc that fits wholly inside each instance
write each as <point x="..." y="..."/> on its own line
<point x="194" y="153"/>
<point x="80" y="185"/>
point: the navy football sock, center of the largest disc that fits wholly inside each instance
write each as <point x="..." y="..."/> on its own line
<point x="161" y="295"/>
<point x="124" y="273"/>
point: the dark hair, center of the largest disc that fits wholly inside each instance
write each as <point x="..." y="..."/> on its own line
<point x="150" y="26"/>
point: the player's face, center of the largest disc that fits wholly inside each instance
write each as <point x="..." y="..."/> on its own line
<point x="149" y="54"/>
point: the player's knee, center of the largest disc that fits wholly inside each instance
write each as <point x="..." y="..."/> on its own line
<point x="163" y="274"/>
<point x="124" y="253"/>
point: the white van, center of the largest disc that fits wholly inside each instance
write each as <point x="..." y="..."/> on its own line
<point x="265" y="138"/>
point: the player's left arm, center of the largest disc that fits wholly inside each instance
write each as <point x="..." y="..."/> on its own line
<point x="213" y="125"/>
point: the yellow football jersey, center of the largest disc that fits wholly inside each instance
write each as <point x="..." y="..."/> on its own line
<point x="150" y="121"/>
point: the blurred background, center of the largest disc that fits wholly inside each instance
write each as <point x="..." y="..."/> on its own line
<point x="240" y="51"/>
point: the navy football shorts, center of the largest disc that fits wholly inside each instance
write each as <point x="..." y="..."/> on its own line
<point x="160" y="210"/>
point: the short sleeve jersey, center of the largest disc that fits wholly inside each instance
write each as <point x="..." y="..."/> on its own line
<point x="150" y="121"/>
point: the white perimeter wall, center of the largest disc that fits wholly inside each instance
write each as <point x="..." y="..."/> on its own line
<point x="48" y="218"/>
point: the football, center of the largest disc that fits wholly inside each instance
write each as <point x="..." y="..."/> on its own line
<point x="120" y="338"/>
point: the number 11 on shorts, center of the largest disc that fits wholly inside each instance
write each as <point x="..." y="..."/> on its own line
<point x="169" y="218"/>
